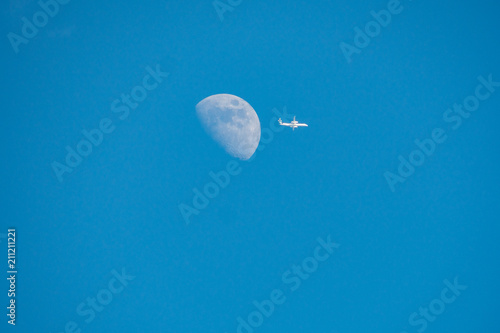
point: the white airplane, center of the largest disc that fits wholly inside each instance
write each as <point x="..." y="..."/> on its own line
<point x="294" y="124"/>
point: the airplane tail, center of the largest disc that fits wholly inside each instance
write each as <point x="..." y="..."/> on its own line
<point x="279" y="121"/>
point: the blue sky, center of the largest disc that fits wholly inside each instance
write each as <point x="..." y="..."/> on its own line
<point x="116" y="213"/>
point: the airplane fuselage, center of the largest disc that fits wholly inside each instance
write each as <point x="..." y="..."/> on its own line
<point x="294" y="124"/>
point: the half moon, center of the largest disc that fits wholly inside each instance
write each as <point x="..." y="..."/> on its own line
<point x="231" y="122"/>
